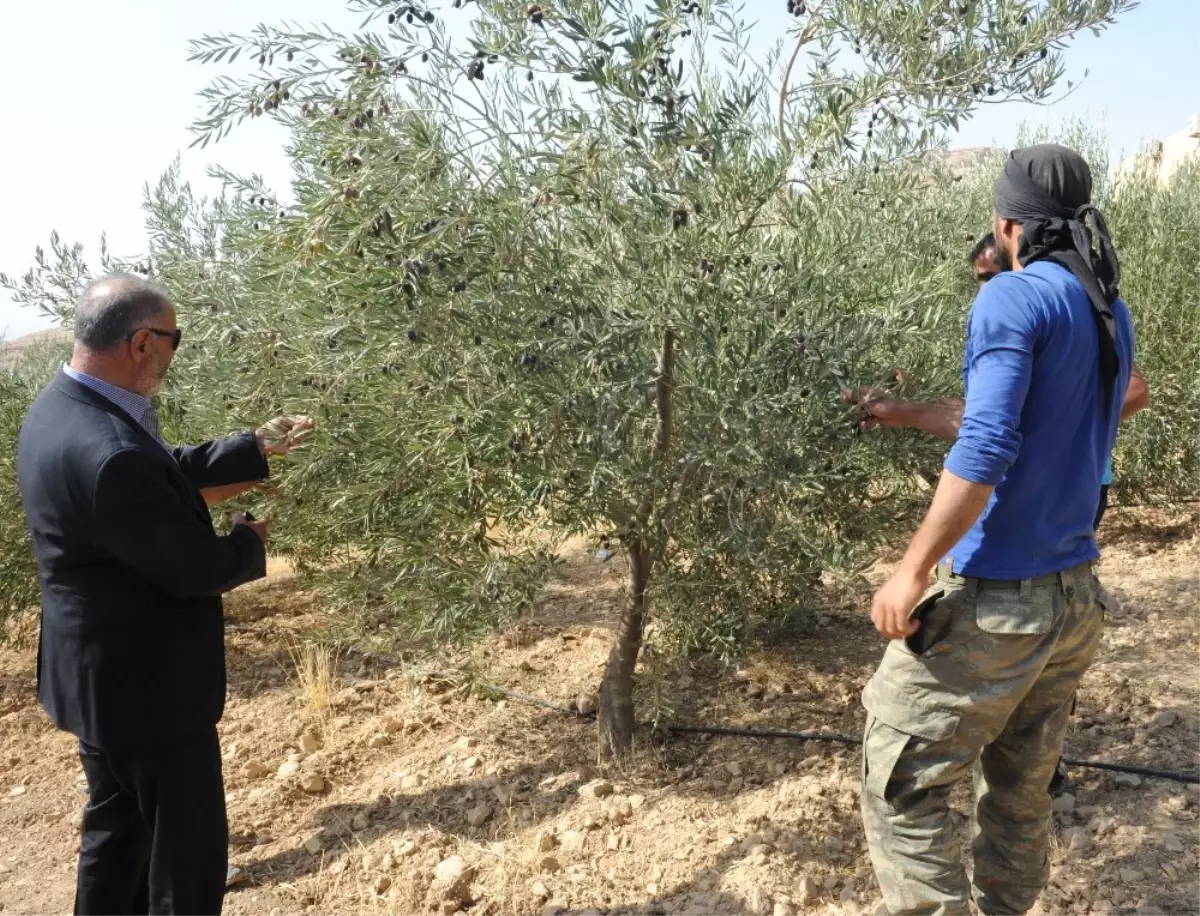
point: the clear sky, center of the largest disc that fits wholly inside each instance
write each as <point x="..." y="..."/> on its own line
<point x="98" y="97"/>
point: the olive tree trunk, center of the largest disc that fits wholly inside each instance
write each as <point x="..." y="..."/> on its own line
<point x="616" y="718"/>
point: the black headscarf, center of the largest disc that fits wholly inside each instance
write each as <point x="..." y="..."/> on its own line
<point x="1048" y="190"/>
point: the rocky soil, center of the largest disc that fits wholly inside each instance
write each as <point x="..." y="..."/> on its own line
<point x="410" y="793"/>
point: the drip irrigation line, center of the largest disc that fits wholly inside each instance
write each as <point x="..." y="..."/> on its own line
<point x="732" y="732"/>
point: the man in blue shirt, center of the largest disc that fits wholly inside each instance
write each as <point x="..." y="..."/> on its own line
<point x="943" y="417"/>
<point x="984" y="665"/>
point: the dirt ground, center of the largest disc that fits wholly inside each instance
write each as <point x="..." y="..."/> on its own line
<point x="363" y="805"/>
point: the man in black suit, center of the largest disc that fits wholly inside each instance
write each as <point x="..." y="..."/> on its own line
<point x="131" y="658"/>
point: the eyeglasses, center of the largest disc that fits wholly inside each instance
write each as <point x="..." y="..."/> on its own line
<point x="174" y="336"/>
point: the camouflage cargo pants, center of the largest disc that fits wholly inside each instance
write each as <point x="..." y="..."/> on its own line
<point x="992" y="693"/>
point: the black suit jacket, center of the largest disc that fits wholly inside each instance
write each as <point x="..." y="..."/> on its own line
<point x="132" y="648"/>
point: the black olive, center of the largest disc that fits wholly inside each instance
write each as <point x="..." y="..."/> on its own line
<point x="424" y="57"/>
<point x="478" y="340"/>
<point x="679" y="219"/>
<point x="412" y="334"/>
<point x="460" y="286"/>
<point x="428" y="17"/>
<point x="804" y="392"/>
<point x="455" y="419"/>
<point x="409" y="18"/>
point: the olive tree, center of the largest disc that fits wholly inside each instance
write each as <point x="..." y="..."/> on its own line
<point x="621" y="270"/>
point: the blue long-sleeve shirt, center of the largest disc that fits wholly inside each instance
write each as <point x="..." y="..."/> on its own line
<point x="1035" y="425"/>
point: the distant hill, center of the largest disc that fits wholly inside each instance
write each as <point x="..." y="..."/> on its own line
<point x="11" y="350"/>
<point x="967" y="158"/>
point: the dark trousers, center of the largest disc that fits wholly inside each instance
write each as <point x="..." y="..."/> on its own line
<point x="155" y="838"/>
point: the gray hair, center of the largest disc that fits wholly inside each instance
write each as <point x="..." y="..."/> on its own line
<point x="112" y="308"/>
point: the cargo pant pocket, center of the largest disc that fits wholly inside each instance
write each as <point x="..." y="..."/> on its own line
<point x="898" y="737"/>
<point x="1003" y="612"/>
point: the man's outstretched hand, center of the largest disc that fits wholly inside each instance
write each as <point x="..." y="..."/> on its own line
<point x="283" y="434"/>
<point x="876" y="407"/>
<point x="895" y="601"/>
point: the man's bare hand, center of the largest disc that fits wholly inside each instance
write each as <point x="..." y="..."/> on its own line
<point x="875" y="405"/>
<point x="281" y="435"/>
<point x="895" y="601"/>
<point x="246" y="520"/>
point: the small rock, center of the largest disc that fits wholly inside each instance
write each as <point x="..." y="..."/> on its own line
<point x="585" y="704"/>
<point x="387" y="863"/>
<point x="760" y="902"/>
<point x="382" y="883"/>
<point x="807" y="890"/>
<point x="636" y="801"/>
<point x="1130" y="875"/>
<point x="733" y="768"/>
<point x="479" y="815"/>
<point x="783" y="907"/>
<point x="405" y="848"/>
<point x="1131" y="780"/>
<point x="450" y="868"/>
<point x="572" y="840"/>
<point x="412" y="782"/>
<point x="1171" y="843"/>
<point x="360" y="821"/>
<point x="1064" y="804"/>
<point x="620" y="810"/>
<point x="287" y="769"/>
<point x="847" y="894"/>
<point x="1166" y="718"/>
<point x="546" y="841"/>
<point x="735" y="785"/>
<point x="467" y="742"/>
<point x="309" y="743"/>
<point x="377" y="741"/>
<point x="597" y="788"/>
<point x="253" y="769"/>
<point x="472" y="763"/>
<point x="453" y="871"/>
<point x="312" y="784"/>
<point x="1077" y="839"/>
<point x="314" y="845"/>
<point x="539" y="890"/>
<point x="762" y="850"/>
<point x="504" y="794"/>
<point x="549" y="865"/>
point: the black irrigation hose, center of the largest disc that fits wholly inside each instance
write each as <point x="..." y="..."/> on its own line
<point x="1132" y="768"/>
<point x="1171" y="775"/>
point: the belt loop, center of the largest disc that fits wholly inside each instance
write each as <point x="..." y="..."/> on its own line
<point x="1026" y="589"/>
